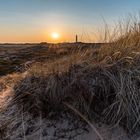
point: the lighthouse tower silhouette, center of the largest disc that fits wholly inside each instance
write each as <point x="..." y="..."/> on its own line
<point x="76" y="38"/>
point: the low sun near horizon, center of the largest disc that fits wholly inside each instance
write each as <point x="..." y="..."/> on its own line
<point x="55" y="35"/>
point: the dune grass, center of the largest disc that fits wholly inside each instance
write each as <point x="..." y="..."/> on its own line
<point x="102" y="83"/>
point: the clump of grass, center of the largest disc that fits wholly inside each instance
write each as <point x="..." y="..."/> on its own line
<point x="119" y="78"/>
<point x="47" y="86"/>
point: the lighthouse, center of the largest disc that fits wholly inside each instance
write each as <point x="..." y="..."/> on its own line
<point x="76" y="39"/>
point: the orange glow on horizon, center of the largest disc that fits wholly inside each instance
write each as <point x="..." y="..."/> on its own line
<point x="55" y="35"/>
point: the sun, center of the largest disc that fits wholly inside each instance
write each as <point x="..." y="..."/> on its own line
<point x="55" y="35"/>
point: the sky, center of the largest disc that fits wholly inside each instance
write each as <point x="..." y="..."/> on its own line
<point x="35" y="20"/>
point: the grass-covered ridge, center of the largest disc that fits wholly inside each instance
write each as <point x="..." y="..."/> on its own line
<point x="101" y="84"/>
